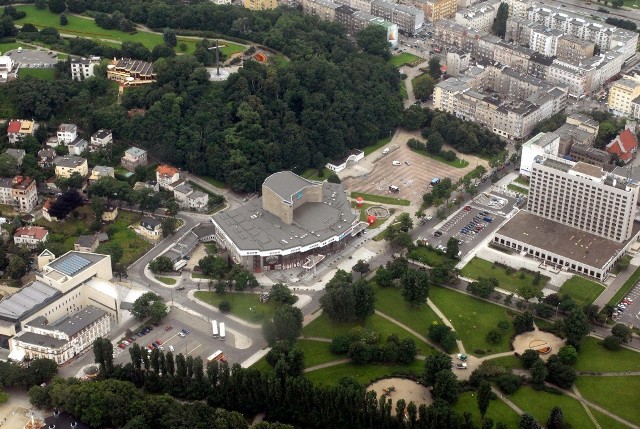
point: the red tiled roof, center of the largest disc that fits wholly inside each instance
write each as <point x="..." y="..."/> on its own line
<point x="166" y="170"/>
<point x="36" y="232"/>
<point x="624" y="145"/>
<point x="14" y="126"/>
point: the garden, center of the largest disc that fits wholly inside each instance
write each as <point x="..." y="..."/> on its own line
<point x="405" y="58"/>
<point x="381" y="199"/>
<point x="510" y="279"/>
<point x="583" y="291"/>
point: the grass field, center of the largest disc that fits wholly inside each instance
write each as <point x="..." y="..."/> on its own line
<point x="323" y="327"/>
<point x="214" y="182"/>
<point x="405" y="58"/>
<point x="316" y="352"/>
<point x="84" y="27"/>
<point x="364" y="215"/>
<point x="312" y="174"/>
<point x="362" y="374"/>
<point x="4" y="47"/>
<point x="166" y="280"/>
<point x="381" y="199"/>
<point x="626" y="287"/>
<point x="456" y="163"/>
<point x="262" y="365"/>
<point x="498" y="410"/>
<point x="478" y="267"/>
<point x="593" y="357"/>
<point x="426" y="256"/>
<point x="539" y="405"/>
<point x="606" y="421"/>
<point x="246" y="306"/>
<point x="132" y="244"/>
<point x="72" y="225"/>
<point x="614" y="394"/>
<point x="518" y="189"/>
<point x="403" y="90"/>
<point x="44" y="74"/>
<point x="369" y="149"/>
<point x="582" y="291"/>
<point x="522" y="180"/>
<point x="472" y="319"/>
<point x="508" y="362"/>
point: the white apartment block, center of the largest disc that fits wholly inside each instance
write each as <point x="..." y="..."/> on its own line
<point x="544" y="40"/>
<point x="583" y="196"/>
<point x="82" y="68"/>
<point x="622" y="94"/>
<point x="62" y="339"/>
<point x="101" y="138"/>
<point x="479" y="16"/>
<point x="518" y="8"/>
<point x="539" y="145"/>
<point x="67" y="133"/>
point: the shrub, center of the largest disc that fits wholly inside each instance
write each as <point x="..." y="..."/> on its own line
<point x="494" y="336"/>
<point x="503" y="325"/>
<point x="340" y="344"/>
<point x="612" y="343"/>
<point x="224" y="307"/>
<point x="528" y="358"/>
<point x="509" y="383"/>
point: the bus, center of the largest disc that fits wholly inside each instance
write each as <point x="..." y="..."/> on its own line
<point x="223" y="333"/>
<point x="217" y="356"/>
<point x="214" y="326"/>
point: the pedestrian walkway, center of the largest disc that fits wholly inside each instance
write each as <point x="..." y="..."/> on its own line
<point x="614" y="287"/>
<point x="586" y="409"/>
<point x="510" y="404"/>
<point x="446" y="322"/>
<point x="320" y="339"/>
<point x="408" y="329"/>
<point x="327" y="365"/>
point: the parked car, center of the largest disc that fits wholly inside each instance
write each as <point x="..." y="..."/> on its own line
<point x="467" y="208"/>
<point x="185" y="330"/>
<point x="168" y="328"/>
<point x="158" y="342"/>
<point x="171" y="349"/>
<point x="122" y="346"/>
<point x="181" y="334"/>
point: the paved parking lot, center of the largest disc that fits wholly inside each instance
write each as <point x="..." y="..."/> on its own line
<point x="496" y="205"/>
<point x="199" y="341"/>
<point x="33" y="59"/>
<point x="631" y="315"/>
<point x="413" y="178"/>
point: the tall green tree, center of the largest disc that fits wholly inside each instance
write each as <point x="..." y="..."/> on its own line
<point x="423" y="87"/>
<point x="434" y="363"/>
<point x="373" y="40"/>
<point x="57" y="6"/>
<point x="287" y="322"/>
<point x="170" y="38"/>
<point x="452" y="248"/>
<point x="499" y="26"/>
<point x="446" y="387"/>
<point x="484" y="398"/>
<point x="415" y="287"/>
<point x="150" y="305"/>
<point x="434" y="67"/>
<point x="556" y="419"/>
<point x="576" y="327"/>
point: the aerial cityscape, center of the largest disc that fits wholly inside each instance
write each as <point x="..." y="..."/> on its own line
<point x="339" y="214"/>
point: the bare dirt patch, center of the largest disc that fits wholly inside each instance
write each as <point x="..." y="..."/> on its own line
<point x="413" y="179"/>
<point x="401" y="388"/>
<point x="538" y="340"/>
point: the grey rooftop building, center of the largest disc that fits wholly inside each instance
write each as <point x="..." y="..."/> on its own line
<point x="295" y="219"/>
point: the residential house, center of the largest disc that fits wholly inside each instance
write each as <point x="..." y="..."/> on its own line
<point x="46" y="157"/>
<point x="110" y="213"/>
<point x="168" y="177"/>
<point x="181" y="192"/>
<point x="17" y="154"/>
<point x="624" y="146"/>
<point x="19" y="192"/>
<point x="67" y="133"/>
<point x="52" y="142"/>
<point x="45" y="210"/>
<point x="82" y="68"/>
<point x="198" y="201"/>
<point x="67" y="165"/>
<point x="86" y="243"/>
<point x="101" y="138"/>
<point x="18" y="129"/>
<point x="133" y="157"/>
<point x="100" y="171"/>
<point x="150" y="227"/>
<point x="30" y="235"/>
<point x="77" y="146"/>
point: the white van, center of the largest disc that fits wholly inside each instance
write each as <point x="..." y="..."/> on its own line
<point x="396" y="163"/>
<point x="385" y="151"/>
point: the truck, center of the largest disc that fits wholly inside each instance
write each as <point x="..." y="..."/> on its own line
<point x="487" y="219"/>
<point x="214" y="326"/>
<point x="217" y="357"/>
<point x="223" y="332"/>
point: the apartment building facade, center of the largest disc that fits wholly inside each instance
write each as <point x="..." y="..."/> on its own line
<point x="19" y="192"/>
<point x="622" y="94"/>
<point x="408" y="19"/>
<point x="435" y="10"/>
<point x="479" y="16"/>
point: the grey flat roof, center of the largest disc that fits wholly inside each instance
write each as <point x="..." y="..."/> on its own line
<point x="101" y="133"/>
<point x="204" y="230"/>
<point x="28" y="300"/>
<point x="563" y="240"/>
<point x="286" y="183"/>
<point x="251" y="227"/>
<point x="86" y="240"/>
<point x="70" y="161"/>
<point x="77" y="321"/>
<point x="40" y="340"/>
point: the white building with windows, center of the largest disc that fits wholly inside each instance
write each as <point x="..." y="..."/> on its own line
<point x="101" y="138"/>
<point x="67" y="133"/>
<point x="82" y="68"/>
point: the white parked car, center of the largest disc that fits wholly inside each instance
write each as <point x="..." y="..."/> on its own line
<point x="396" y="163"/>
<point x="171" y="349"/>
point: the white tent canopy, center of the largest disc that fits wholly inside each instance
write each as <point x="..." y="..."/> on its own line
<point x="16" y="355"/>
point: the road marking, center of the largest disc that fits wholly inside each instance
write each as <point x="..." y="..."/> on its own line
<point x="190" y="352"/>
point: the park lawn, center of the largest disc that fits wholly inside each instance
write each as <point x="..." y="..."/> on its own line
<point x="606" y="421"/>
<point x="626" y="287"/>
<point x="583" y="291"/>
<point x="472" y="319"/>
<point x="427" y="256"/>
<point x="323" y="327"/>
<point x="518" y="189"/>
<point x="10" y="46"/>
<point x="313" y="174"/>
<point x="498" y="410"/>
<point x="197" y="275"/>
<point x="456" y="163"/>
<point x="540" y="403"/>
<point x="374" y="147"/>
<point x="166" y="280"/>
<point x="43" y="74"/>
<point x="390" y="302"/>
<point x="403" y="90"/>
<point x="246" y="306"/>
<point x="478" y="267"/>
<point x="508" y="362"/>
<point x="594" y="357"/>
<point x="404" y="58"/>
<point x="616" y="394"/>
<point x="364" y="375"/>
<point x="316" y="352"/>
<point x="211" y="248"/>
<point x="381" y="199"/>
<point x="262" y="365"/>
